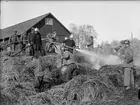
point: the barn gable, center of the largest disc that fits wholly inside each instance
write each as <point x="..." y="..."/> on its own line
<point x="38" y="22"/>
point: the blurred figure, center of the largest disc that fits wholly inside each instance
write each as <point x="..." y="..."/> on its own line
<point x="126" y="53"/>
<point x="38" y="74"/>
<point x="37" y="43"/>
<point x="54" y="36"/>
<point x="23" y="42"/>
<point x="31" y="37"/>
<point x="52" y="39"/>
<point x="90" y="43"/>
<point x="68" y="66"/>
<point x="70" y="43"/>
<point x="1" y="45"/>
<point x="66" y="38"/>
<point x="14" y="40"/>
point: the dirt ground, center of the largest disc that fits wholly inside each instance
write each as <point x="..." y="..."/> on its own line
<point x="91" y="87"/>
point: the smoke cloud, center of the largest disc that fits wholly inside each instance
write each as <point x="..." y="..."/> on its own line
<point x="137" y="61"/>
<point x="98" y="60"/>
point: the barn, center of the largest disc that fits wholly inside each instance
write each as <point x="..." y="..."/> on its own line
<point x="45" y="23"/>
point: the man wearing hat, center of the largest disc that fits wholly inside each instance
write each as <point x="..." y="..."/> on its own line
<point x="70" y="43"/>
<point x="31" y="37"/>
<point x="68" y="66"/>
<point x="90" y="43"/>
<point x="53" y="39"/>
<point x="14" y="40"/>
<point x="127" y="54"/>
<point x="37" y="43"/>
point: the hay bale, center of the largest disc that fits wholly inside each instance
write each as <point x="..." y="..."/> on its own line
<point x="103" y="87"/>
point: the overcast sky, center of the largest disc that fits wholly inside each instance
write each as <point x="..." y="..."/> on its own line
<point x="113" y="20"/>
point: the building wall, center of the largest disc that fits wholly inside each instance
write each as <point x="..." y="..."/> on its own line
<point x="46" y="29"/>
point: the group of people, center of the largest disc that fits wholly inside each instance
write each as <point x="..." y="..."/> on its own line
<point x="35" y="43"/>
<point x="125" y="52"/>
<point x="68" y="64"/>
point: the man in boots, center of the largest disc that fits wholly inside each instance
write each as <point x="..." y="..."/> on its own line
<point x="127" y="54"/>
<point x="31" y="37"/>
<point x="69" y="66"/>
<point x="14" y="40"/>
<point x="37" y="43"/>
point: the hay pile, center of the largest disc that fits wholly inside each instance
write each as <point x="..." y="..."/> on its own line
<point x="91" y="87"/>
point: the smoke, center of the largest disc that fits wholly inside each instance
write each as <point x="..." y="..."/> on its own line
<point x="98" y="60"/>
<point x="137" y="61"/>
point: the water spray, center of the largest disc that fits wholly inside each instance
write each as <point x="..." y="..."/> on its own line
<point x="98" y="60"/>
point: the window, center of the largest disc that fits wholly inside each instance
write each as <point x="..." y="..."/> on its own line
<point x="49" y="21"/>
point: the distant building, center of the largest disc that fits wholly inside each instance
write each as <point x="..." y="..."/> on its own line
<point x="45" y="23"/>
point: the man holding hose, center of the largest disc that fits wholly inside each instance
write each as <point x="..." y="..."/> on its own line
<point x="70" y="43"/>
<point x="68" y="66"/>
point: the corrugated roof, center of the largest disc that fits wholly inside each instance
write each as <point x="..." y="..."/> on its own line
<point x="24" y="26"/>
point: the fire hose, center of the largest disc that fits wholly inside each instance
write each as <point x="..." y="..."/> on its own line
<point x="51" y="42"/>
<point x="21" y="50"/>
<point x="65" y="45"/>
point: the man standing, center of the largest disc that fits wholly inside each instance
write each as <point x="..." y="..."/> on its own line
<point x="65" y="39"/>
<point x="127" y="54"/>
<point x="90" y="43"/>
<point x="70" y="43"/>
<point x="31" y="37"/>
<point x="23" y="39"/>
<point x="14" y="40"/>
<point x="52" y="39"/>
<point x="37" y="43"/>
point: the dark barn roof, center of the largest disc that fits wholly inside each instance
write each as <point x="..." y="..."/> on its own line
<point x="25" y="26"/>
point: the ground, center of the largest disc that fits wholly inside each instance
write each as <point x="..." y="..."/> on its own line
<point x="90" y="87"/>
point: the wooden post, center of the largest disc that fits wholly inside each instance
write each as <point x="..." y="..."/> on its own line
<point x="132" y="45"/>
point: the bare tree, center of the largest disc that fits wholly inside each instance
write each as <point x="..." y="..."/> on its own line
<point x="82" y="33"/>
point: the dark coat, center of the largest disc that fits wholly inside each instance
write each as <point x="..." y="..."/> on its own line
<point x="37" y="41"/>
<point x="31" y="37"/>
<point x="70" y="43"/>
<point x="127" y="54"/>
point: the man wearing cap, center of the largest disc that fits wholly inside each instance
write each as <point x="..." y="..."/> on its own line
<point x="65" y="39"/>
<point x="31" y="37"/>
<point x="68" y="66"/>
<point x="37" y="42"/>
<point x="70" y="43"/>
<point x="14" y="40"/>
<point x="52" y="39"/>
<point x="90" y="43"/>
<point x="127" y="54"/>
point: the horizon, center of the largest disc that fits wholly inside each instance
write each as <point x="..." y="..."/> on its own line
<point x="112" y="20"/>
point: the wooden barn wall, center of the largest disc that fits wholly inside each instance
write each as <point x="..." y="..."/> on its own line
<point x="46" y="29"/>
